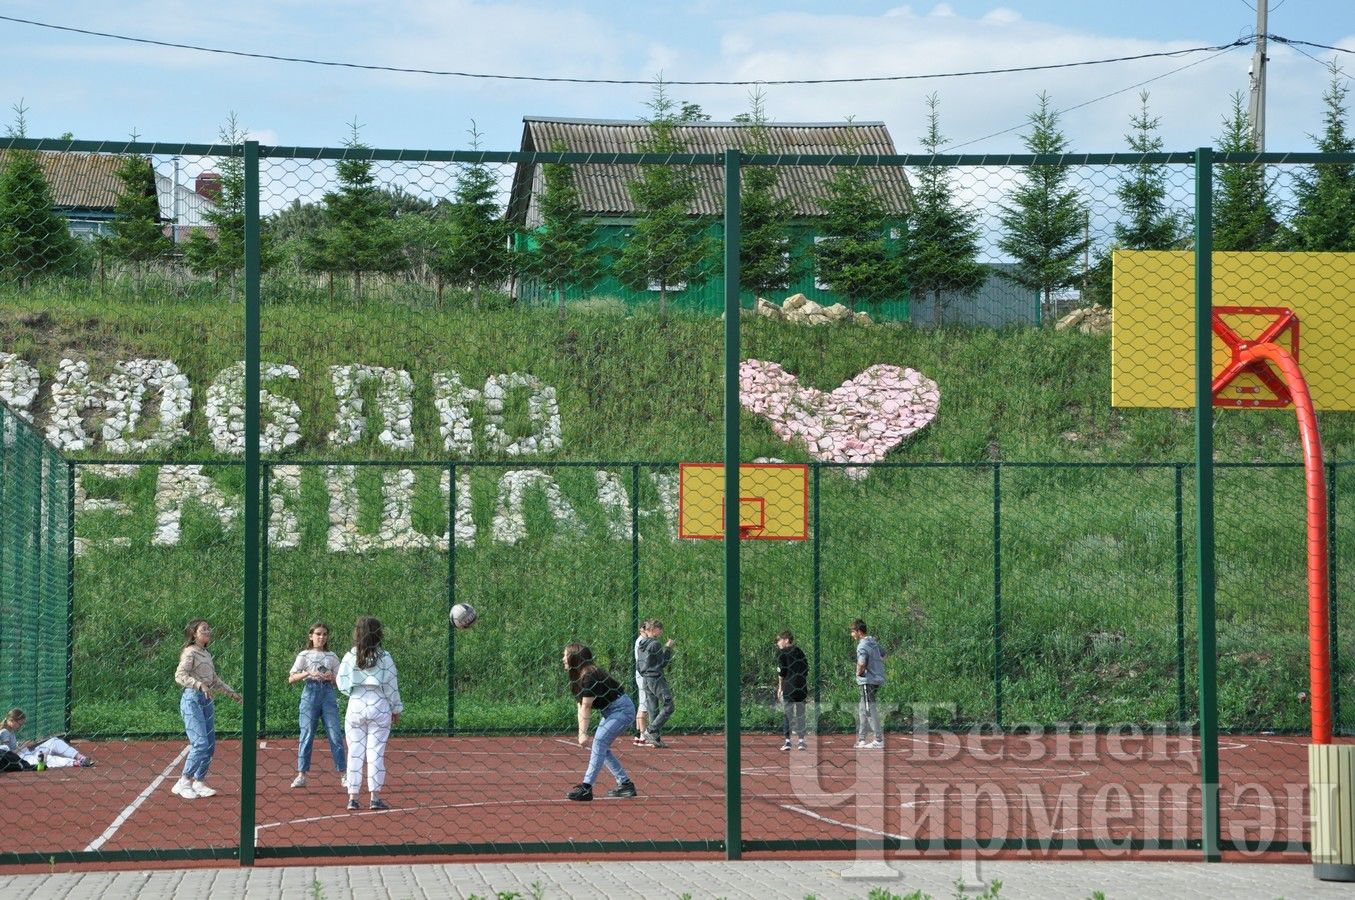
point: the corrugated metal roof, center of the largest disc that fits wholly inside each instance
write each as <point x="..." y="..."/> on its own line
<point x="602" y="188"/>
<point x="80" y="180"/>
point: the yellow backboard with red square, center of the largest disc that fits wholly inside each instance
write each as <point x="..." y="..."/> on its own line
<point x="773" y="501"/>
<point x="1152" y="349"/>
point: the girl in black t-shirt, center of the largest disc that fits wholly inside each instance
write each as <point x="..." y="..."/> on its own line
<point x="595" y="689"/>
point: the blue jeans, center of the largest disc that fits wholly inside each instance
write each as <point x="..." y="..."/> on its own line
<point x="199" y="720"/>
<point x="320" y="700"/>
<point x="618" y="715"/>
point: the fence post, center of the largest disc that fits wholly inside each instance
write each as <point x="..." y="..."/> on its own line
<point x="70" y="588"/>
<point x="635" y="558"/>
<point x="1180" y="599"/>
<point x="997" y="593"/>
<point x="1331" y="594"/>
<point x="249" y="748"/>
<point x="818" y="582"/>
<point x="733" y="674"/>
<point x="265" y="474"/>
<point x="451" y="598"/>
<point x="1204" y="491"/>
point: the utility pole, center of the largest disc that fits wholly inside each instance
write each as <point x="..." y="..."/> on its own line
<point x="1256" y="112"/>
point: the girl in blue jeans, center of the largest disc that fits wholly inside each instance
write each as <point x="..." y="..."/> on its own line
<point x="196" y="674"/>
<point x="317" y="666"/>
<point x="595" y="689"/>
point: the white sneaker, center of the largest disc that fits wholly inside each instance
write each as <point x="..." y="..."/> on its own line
<point x="802" y="745"/>
<point x="201" y="789"/>
<point x="299" y="780"/>
<point x="860" y="745"/>
<point x="184" y="788"/>
<point x="875" y="745"/>
<point x="786" y="745"/>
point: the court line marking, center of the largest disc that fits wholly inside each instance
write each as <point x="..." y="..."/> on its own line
<point x="831" y="821"/>
<point x="135" y="804"/>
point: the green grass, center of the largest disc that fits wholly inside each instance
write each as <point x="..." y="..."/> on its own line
<point x="1088" y="555"/>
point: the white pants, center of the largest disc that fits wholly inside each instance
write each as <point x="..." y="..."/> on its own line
<point x="368" y="724"/>
<point x="59" y="753"/>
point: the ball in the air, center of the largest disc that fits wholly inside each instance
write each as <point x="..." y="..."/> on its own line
<point x="463" y="615"/>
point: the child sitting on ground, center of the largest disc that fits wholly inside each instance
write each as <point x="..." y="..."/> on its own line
<point x="55" y="752"/>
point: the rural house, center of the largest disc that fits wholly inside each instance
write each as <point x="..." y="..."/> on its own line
<point x="604" y="195"/>
<point x="85" y="193"/>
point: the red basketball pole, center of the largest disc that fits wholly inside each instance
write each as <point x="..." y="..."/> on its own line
<point x="1319" y="641"/>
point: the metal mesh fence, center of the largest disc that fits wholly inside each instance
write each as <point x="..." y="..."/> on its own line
<point x="34" y="578"/>
<point x="494" y="380"/>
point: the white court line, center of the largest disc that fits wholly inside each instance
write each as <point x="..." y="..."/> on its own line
<point x="480" y="804"/>
<point x="831" y="821"/>
<point x="135" y="804"/>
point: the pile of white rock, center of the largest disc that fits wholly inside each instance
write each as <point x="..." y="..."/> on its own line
<point x="1094" y="319"/>
<point x="799" y="308"/>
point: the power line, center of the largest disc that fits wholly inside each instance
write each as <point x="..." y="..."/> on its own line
<point x="1078" y="106"/>
<point x="1295" y="42"/>
<point x="543" y="78"/>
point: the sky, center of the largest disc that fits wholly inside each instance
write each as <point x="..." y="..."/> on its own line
<point x="98" y="88"/>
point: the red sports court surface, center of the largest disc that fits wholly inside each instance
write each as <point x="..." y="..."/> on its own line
<point x="509" y="791"/>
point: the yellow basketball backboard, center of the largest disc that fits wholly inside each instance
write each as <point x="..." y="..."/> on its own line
<point x="1152" y="345"/>
<point x="773" y="501"/>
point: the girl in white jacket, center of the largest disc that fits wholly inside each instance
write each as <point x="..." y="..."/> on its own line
<point x="367" y="676"/>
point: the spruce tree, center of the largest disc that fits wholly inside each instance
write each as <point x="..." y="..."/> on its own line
<point x="222" y="255"/>
<point x="359" y="233"/>
<point x="1149" y="223"/>
<point x="1244" y="213"/>
<point x="1324" y="216"/>
<point x="855" y="256"/>
<point x="34" y="239"/>
<point x="136" y="234"/>
<point x="472" y="248"/>
<point x="564" y="254"/>
<point x="666" y="246"/>
<point x="1043" y="227"/>
<point x="765" y="263"/>
<point x="943" y="242"/>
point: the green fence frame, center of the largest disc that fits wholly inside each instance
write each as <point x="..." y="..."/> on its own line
<point x="1202" y="160"/>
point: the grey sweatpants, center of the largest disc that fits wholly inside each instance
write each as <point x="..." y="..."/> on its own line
<point x="656" y="700"/>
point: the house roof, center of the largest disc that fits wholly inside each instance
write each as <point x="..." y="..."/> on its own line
<point x="80" y="180"/>
<point x="602" y="187"/>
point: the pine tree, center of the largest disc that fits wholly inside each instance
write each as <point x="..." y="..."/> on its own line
<point x="665" y="246"/>
<point x="943" y="242"/>
<point x="564" y="252"/>
<point x="1244" y="213"/>
<point x="1324" y="217"/>
<point x="764" y="218"/>
<point x="136" y="234"/>
<point x="1044" y="225"/>
<point x="472" y="249"/>
<point x="222" y="256"/>
<point x="855" y="255"/>
<point x="359" y="233"/>
<point x="34" y="240"/>
<point x="1149" y="223"/>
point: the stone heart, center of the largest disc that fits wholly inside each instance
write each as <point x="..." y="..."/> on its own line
<point x="858" y="422"/>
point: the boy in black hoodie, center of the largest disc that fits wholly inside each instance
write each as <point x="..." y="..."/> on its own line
<point x="792" y="686"/>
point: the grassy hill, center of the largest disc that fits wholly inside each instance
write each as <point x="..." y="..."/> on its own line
<point x="1087" y="554"/>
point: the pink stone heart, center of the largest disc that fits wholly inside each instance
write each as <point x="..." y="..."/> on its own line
<point x="859" y="422"/>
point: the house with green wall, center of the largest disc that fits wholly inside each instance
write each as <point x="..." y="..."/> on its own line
<point x="604" y="196"/>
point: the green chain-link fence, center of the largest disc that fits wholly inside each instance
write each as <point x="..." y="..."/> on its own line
<point x="304" y="386"/>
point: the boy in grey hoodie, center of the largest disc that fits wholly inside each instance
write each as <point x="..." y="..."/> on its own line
<point x="656" y="698"/>
<point x="870" y="674"/>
